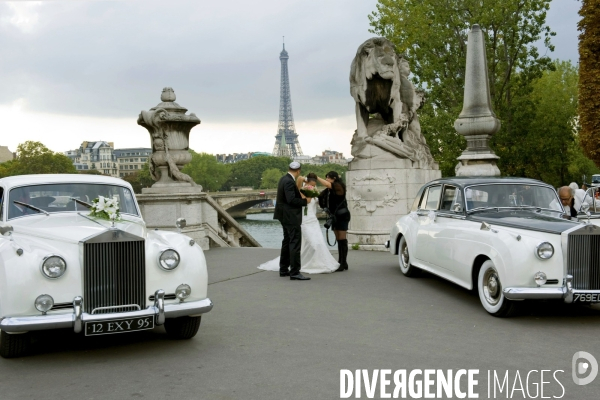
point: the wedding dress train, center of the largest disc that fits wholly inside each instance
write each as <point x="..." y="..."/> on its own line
<point x="315" y="257"/>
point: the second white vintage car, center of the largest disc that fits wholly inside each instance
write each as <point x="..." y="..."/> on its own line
<point x="61" y="267"/>
<point x="508" y="238"/>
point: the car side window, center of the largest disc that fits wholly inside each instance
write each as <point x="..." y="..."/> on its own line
<point x="431" y="199"/>
<point x="1" y="202"/>
<point x="451" y="197"/>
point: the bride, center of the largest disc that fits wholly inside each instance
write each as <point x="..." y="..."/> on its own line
<point x="315" y="257"/>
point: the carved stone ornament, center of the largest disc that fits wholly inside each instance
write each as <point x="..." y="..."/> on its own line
<point x="386" y="201"/>
<point x="169" y="129"/>
<point x="386" y="106"/>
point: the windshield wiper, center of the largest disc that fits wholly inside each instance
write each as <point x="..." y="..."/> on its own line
<point x="83" y="203"/>
<point x="30" y="206"/>
<point x="483" y="209"/>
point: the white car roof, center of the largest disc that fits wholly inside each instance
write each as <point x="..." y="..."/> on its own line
<point x="24" y="180"/>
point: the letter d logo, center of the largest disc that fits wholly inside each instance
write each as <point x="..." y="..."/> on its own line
<point x="581" y="367"/>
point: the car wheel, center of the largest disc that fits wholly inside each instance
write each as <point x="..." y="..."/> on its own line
<point x="489" y="288"/>
<point x="15" y="345"/>
<point x="404" y="259"/>
<point x="182" y="327"/>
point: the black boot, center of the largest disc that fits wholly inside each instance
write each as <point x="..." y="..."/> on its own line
<point x="343" y="253"/>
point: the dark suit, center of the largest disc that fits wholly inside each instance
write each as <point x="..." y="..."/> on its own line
<point x="288" y="210"/>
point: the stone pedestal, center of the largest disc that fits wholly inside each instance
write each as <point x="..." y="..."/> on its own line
<point x="162" y="206"/>
<point x="379" y="191"/>
<point x="207" y="222"/>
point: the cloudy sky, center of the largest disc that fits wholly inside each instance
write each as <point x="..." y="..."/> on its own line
<point x="74" y="70"/>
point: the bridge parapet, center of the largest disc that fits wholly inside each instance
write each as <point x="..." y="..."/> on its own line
<point x="209" y="224"/>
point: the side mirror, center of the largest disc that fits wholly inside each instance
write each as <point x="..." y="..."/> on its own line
<point x="6" y="230"/>
<point x="432" y="215"/>
<point x="457" y="207"/>
<point x="180" y="224"/>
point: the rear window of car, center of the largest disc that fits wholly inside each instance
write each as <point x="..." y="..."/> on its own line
<point x="54" y="198"/>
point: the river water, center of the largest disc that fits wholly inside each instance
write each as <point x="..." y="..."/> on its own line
<point x="268" y="232"/>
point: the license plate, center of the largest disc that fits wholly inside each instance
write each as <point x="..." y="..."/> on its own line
<point x="118" y="326"/>
<point x="586" y="298"/>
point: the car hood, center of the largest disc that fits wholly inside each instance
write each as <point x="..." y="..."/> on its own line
<point x="72" y="227"/>
<point x="524" y="219"/>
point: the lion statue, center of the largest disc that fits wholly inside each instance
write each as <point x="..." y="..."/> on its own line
<point x="386" y="104"/>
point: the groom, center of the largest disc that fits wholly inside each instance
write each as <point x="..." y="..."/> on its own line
<point x="288" y="210"/>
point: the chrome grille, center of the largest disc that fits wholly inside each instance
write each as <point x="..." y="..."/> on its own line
<point x="114" y="276"/>
<point x="583" y="259"/>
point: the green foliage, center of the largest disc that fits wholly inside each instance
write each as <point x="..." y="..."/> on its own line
<point x="141" y="179"/>
<point x="589" y="82"/>
<point x="248" y="172"/>
<point x="270" y="178"/>
<point x="35" y="158"/>
<point x="355" y="246"/>
<point x="433" y="35"/>
<point x="543" y="146"/>
<point x="206" y="171"/>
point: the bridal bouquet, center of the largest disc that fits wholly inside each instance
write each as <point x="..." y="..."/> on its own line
<point x="309" y="191"/>
<point x="105" y="208"/>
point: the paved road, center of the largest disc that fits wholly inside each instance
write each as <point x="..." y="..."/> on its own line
<point x="271" y="338"/>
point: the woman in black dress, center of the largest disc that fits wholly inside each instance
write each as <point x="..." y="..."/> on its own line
<point x="335" y="201"/>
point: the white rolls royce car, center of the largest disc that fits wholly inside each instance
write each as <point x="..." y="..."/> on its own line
<point x="75" y="253"/>
<point x="508" y="238"/>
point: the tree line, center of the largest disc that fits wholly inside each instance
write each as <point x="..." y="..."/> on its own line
<point x="261" y="172"/>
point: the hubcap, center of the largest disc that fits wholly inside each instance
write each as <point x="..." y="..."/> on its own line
<point x="405" y="255"/>
<point x="492" y="288"/>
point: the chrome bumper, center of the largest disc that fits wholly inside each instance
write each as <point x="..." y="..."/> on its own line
<point x="567" y="293"/>
<point x="160" y="311"/>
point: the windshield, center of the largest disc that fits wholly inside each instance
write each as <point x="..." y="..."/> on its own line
<point x="54" y="198"/>
<point x="510" y="196"/>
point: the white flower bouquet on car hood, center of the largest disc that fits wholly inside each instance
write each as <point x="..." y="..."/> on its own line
<point x="106" y="208"/>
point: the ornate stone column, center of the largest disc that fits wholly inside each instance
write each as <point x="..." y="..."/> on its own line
<point x="477" y="121"/>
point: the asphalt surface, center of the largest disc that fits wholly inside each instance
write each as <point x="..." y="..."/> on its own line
<point x="271" y="338"/>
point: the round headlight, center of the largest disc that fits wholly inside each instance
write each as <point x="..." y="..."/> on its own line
<point x="544" y="251"/>
<point x="183" y="291"/>
<point x="53" y="266"/>
<point x="169" y="259"/>
<point x="44" y="302"/>
<point x="540" y="278"/>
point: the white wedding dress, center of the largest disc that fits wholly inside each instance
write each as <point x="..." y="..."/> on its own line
<point x="315" y="257"/>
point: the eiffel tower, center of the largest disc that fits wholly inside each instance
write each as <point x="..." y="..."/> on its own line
<point x="286" y="140"/>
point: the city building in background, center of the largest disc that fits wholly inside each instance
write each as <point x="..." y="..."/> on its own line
<point x="132" y="160"/>
<point x="6" y="154"/>
<point x="97" y="156"/>
<point x="286" y="140"/>
<point x="235" y="157"/>
<point x="102" y="156"/>
<point x="331" y="157"/>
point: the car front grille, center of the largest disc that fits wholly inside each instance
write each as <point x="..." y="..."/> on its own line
<point x="583" y="258"/>
<point x="114" y="276"/>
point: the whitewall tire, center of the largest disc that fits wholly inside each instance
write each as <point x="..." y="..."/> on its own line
<point x="404" y="259"/>
<point x="490" y="288"/>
